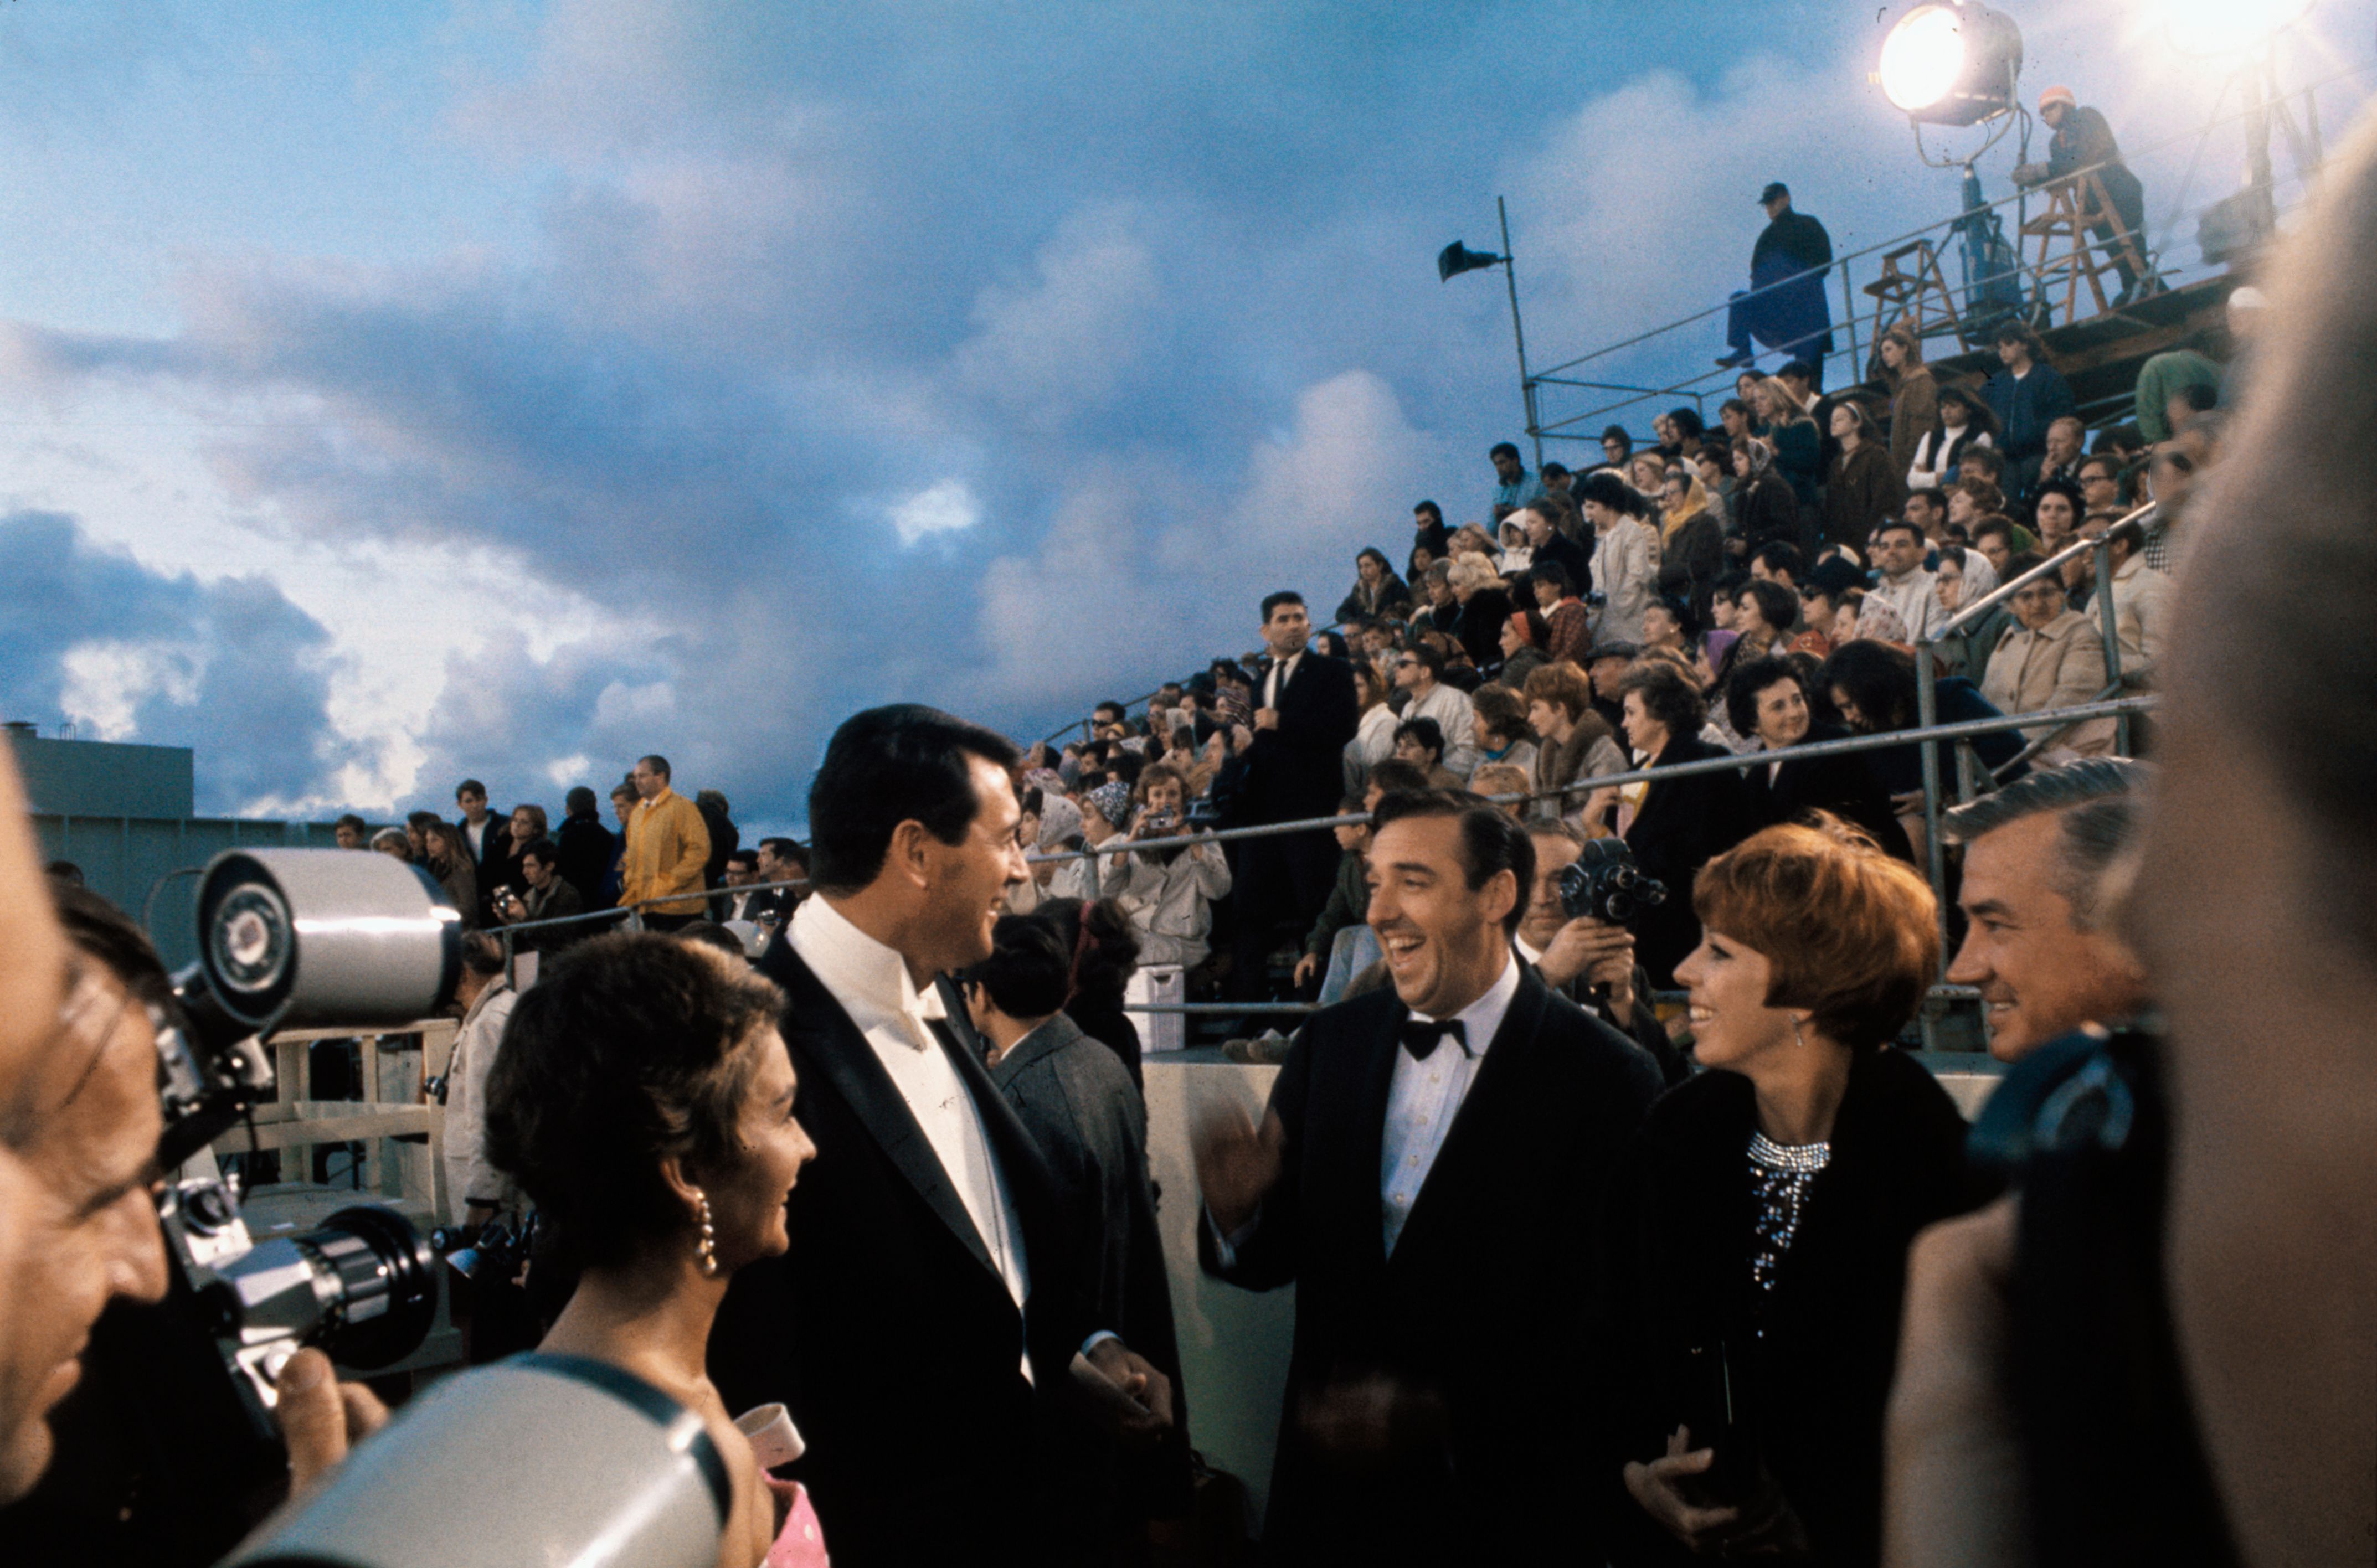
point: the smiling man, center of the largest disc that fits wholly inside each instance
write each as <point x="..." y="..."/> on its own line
<point x="929" y="1327"/>
<point x="1426" y="1175"/>
<point x="2036" y="855"/>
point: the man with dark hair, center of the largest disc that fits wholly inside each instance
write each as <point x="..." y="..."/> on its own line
<point x="1776" y="562"/>
<point x="718" y="820"/>
<point x="351" y="832"/>
<point x="2027" y="396"/>
<point x="1428" y="530"/>
<point x="1616" y="446"/>
<point x="929" y="1228"/>
<point x="1513" y="486"/>
<point x="1551" y="547"/>
<point x="491" y="861"/>
<point x="667" y="851"/>
<point x="1785" y="306"/>
<point x="1903" y="583"/>
<point x="550" y="898"/>
<point x="1288" y="766"/>
<point x="1076" y="1099"/>
<point x="1420" y="674"/>
<point x="1927" y="509"/>
<point x="1428" y="1151"/>
<point x="730" y="902"/>
<point x="781" y="860"/>
<point x="2039" y="944"/>
<point x="586" y="846"/>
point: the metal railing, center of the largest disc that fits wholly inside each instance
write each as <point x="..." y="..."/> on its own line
<point x="1966" y="298"/>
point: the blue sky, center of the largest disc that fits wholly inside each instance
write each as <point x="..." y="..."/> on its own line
<point x="402" y="391"/>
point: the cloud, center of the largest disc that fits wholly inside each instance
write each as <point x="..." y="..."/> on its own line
<point x="947" y="507"/>
<point x="229" y="668"/>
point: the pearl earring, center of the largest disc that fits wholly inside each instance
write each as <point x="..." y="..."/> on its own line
<point x="707" y="1245"/>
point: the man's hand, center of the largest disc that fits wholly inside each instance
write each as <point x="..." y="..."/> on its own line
<point x="321" y="1417"/>
<point x="1266" y="718"/>
<point x="1124" y="1395"/>
<point x="1241" y="737"/>
<point x="1306" y="967"/>
<point x="1954" y="1485"/>
<point x="1236" y="1164"/>
<point x="1601" y="953"/>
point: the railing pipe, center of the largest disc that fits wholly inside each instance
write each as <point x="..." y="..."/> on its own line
<point x="2112" y="620"/>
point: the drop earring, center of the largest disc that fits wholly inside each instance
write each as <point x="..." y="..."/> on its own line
<point x="707" y="1245"/>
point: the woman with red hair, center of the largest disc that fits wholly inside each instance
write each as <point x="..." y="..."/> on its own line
<point x="1754" y="1240"/>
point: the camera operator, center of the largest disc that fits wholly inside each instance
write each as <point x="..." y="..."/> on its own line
<point x="1589" y="961"/>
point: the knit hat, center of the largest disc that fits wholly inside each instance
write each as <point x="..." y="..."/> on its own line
<point x="2058" y="94"/>
<point x="1521" y="619"/>
<point x="1112" y="802"/>
<point x="1059" y="819"/>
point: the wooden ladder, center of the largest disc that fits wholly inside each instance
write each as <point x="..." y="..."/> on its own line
<point x="1919" y="297"/>
<point x="2072" y="206"/>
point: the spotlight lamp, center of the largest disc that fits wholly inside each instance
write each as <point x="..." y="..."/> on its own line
<point x="1952" y="64"/>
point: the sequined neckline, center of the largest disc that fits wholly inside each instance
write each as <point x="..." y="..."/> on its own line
<point x="1797" y="1158"/>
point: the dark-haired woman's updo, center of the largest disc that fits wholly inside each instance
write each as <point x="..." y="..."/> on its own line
<point x="628" y="1048"/>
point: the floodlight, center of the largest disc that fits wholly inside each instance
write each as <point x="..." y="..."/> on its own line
<point x="2222" y="28"/>
<point x="1952" y="65"/>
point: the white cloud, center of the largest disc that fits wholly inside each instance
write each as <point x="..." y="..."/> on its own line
<point x="107" y="683"/>
<point x="1058" y="347"/>
<point x="568" y="770"/>
<point x="947" y="507"/>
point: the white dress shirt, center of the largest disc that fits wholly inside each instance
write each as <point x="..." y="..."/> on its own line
<point x="1423" y="1097"/>
<point x="872" y="984"/>
<point x="1282" y="671"/>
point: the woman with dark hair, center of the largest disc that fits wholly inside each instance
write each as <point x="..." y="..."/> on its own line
<point x="1872" y="686"/>
<point x="447" y="856"/>
<point x="1676" y="825"/>
<point x="1105" y="953"/>
<point x="1377" y="591"/>
<point x="1768" y="700"/>
<point x="643" y="1098"/>
<point x="2056" y="508"/>
<point x="1963" y="421"/>
<point x="1863" y="487"/>
<point x="1753" y="1242"/>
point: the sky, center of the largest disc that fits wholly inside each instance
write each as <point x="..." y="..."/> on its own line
<point x="400" y="392"/>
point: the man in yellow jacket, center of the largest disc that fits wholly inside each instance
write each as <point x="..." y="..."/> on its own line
<point x="668" y="846"/>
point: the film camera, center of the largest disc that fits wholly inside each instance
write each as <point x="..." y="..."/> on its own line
<point x="290" y="937"/>
<point x="1604" y="884"/>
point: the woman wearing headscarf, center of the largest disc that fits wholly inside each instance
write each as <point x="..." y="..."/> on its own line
<point x="1862" y="488"/>
<point x="1692" y="541"/>
<point x="1966" y="577"/>
<point x="1764" y="509"/>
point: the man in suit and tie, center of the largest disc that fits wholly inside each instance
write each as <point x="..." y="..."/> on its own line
<point x="1288" y="765"/>
<point x="927" y="1328"/>
<point x="1426" y="1175"/>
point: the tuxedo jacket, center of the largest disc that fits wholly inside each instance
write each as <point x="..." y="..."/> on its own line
<point x="1474" y="1322"/>
<point x="1298" y="770"/>
<point x="887" y="1330"/>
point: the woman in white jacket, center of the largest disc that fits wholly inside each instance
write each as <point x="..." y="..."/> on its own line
<point x="1169" y="892"/>
<point x="1374" y="741"/>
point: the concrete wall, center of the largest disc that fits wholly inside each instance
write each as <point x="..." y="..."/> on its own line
<point x="101" y="779"/>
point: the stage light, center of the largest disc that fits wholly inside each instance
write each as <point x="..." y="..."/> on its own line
<point x="1952" y="65"/>
<point x="2224" y="28"/>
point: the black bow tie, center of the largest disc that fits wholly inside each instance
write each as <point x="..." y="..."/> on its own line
<point x="1420" y="1036"/>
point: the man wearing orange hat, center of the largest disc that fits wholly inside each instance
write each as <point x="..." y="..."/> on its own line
<point x="2082" y="140"/>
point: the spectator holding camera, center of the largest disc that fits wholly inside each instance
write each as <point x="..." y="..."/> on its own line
<point x="1754" y="1239"/>
<point x="1589" y="961"/>
<point x="1169" y="892"/>
<point x="643" y="1099"/>
<point x="549" y="897"/>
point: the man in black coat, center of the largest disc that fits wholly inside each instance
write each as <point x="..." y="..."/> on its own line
<point x="1785" y="307"/>
<point x="1431" y="1413"/>
<point x="927" y="1328"/>
<point x="587" y="847"/>
<point x="1290" y="766"/>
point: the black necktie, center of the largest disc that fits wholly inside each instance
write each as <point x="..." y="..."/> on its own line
<point x="1420" y="1036"/>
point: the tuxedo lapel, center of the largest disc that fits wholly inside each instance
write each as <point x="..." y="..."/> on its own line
<point x="1501" y="1080"/>
<point x="824" y="1038"/>
<point x="1368" y="1106"/>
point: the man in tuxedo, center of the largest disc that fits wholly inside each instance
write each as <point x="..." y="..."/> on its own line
<point x="1426" y="1175"/>
<point x="928" y="1328"/>
<point x="1289" y="765"/>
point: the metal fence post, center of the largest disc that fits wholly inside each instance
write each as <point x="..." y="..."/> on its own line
<point x="2111" y="617"/>
<point x="1935" y="854"/>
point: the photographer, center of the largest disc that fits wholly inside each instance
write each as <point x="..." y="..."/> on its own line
<point x="1754" y="1239"/>
<point x="1589" y="961"/>
<point x="1169" y="893"/>
<point x="550" y="898"/>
